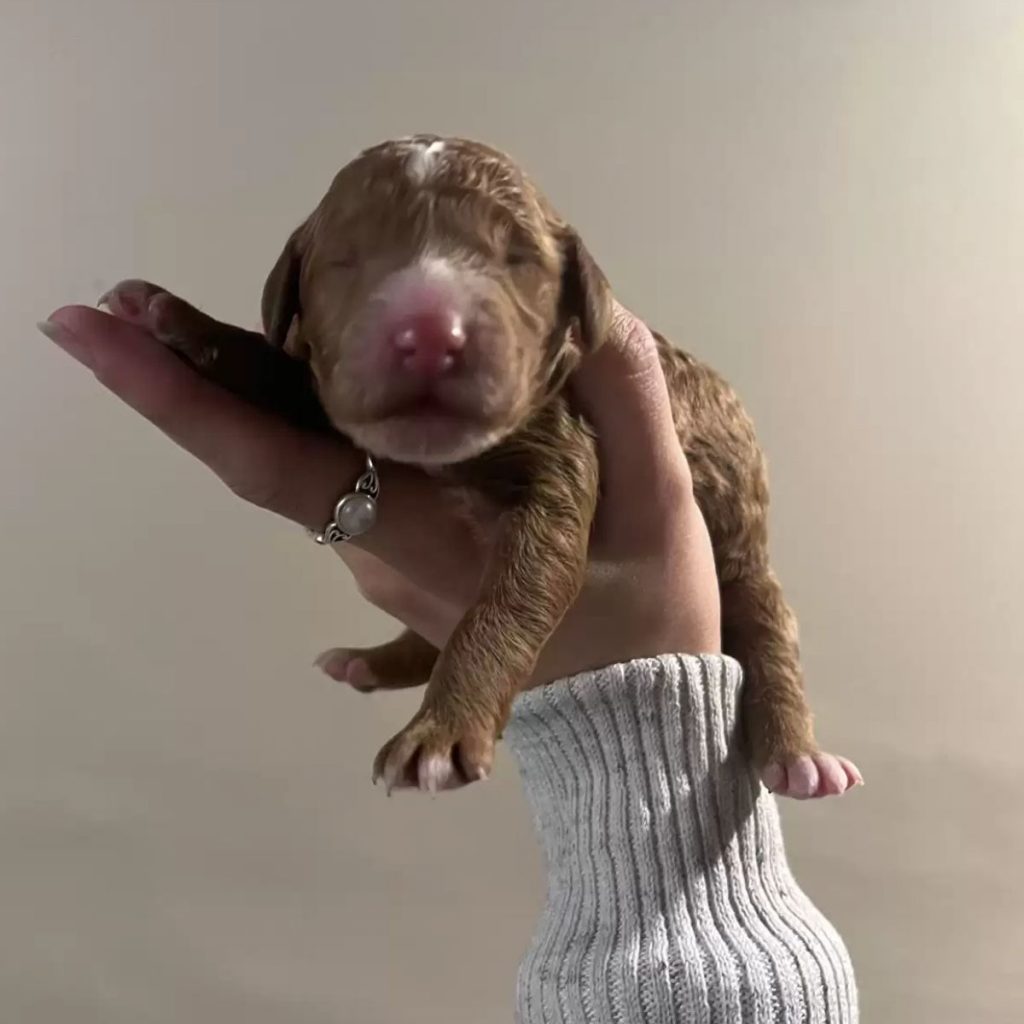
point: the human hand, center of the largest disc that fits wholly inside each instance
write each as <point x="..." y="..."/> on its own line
<point x="651" y="585"/>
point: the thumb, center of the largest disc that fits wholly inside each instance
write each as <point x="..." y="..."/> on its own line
<point x="622" y="391"/>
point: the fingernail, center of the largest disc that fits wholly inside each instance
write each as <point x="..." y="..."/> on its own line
<point x="104" y="299"/>
<point x="75" y="346"/>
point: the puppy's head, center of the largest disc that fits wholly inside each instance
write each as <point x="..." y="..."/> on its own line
<point x="437" y="297"/>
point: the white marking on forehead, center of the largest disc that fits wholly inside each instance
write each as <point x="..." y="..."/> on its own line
<point x="443" y="277"/>
<point x="440" y="268"/>
<point x="465" y="284"/>
<point x="422" y="160"/>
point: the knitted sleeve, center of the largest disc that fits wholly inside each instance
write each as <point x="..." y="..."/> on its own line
<point x="669" y="897"/>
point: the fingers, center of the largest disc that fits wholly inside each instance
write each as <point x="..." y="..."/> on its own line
<point x="621" y="389"/>
<point x="262" y="458"/>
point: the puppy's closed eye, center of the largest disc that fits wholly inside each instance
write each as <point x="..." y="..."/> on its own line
<point x="344" y="261"/>
<point x="520" y="256"/>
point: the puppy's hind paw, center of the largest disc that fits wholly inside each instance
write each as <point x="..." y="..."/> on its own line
<point x="346" y="666"/>
<point x="811" y="776"/>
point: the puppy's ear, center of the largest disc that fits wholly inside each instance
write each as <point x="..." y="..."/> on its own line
<point x="280" y="306"/>
<point x="586" y="294"/>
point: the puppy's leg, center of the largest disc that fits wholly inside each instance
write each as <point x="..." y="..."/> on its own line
<point x="241" y="361"/>
<point x="534" y="574"/>
<point x="531" y="580"/>
<point x="759" y="630"/>
<point x="402" y="663"/>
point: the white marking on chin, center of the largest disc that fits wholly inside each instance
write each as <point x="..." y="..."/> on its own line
<point x="423" y="160"/>
<point x="413" y="446"/>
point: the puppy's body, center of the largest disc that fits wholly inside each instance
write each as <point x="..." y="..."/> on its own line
<point x="551" y="465"/>
<point x="441" y="303"/>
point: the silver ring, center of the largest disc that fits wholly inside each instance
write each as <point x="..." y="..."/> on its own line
<point x="354" y="512"/>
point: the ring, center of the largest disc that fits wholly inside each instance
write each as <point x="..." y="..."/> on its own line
<point x="354" y="512"/>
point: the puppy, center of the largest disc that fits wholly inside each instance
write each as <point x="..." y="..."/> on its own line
<point x="431" y="309"/>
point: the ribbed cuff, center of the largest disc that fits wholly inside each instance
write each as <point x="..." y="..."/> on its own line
<point x="669" y="895"/>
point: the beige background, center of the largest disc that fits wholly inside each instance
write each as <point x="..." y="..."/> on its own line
<point x="826" y="199"/>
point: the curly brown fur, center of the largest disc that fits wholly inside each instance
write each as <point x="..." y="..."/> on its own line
<point x="428" y="224"/>
<point x="731" y="488"/>
<point x="546" y="479"/>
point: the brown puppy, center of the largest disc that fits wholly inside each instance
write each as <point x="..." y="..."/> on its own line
<point x="440" y="304"/>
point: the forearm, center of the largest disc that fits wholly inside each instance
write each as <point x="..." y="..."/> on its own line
<point x="669" y="892"/>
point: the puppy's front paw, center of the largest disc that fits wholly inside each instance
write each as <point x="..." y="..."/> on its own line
<point x="130" y="299"/>
<point x="810" y="776"/>
<point x="151" y="307"/>
<point x="168" y="318"/>
<point x="435" y="752"/>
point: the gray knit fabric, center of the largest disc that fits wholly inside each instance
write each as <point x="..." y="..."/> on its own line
<point x="669" y="896"/>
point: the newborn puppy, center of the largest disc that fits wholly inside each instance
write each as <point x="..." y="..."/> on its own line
<point x="440" y="303"/>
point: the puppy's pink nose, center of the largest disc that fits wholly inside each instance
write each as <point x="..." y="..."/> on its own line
<point x="429" y="344"/>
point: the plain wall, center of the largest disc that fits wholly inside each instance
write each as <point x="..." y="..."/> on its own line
<point x="824" y="199"/>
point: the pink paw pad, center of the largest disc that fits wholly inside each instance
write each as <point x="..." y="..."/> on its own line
<point x="130" y="300"/>
<point x="812" y="776"/>
<point x="344" y="667"/>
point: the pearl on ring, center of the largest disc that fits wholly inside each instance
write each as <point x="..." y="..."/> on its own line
<point x="355" y="514"/>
